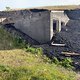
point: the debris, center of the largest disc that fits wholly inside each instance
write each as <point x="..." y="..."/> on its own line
<point x="70" y="54"/>
<point x="57" y="44"/>
<point x="71" y="37"/>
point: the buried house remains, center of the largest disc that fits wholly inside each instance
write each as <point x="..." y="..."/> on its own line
<point x="42" y="25"/>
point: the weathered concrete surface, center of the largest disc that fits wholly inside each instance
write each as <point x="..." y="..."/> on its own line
<point x="17" y="33"/>
<point x="35" y="23"/>
<point x="60" y="16"/>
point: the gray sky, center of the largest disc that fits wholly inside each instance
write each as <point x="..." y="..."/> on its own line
<point x="35" y="3"/>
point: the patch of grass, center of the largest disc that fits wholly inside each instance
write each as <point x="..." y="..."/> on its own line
<point x="34" y="50"/>
<point x="18" y="42"/>
<point x="21" y="65"/>
<point x="66" y="63"/>
<point x="7" y="41"/>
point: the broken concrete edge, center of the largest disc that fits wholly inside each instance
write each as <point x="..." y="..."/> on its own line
<point x="59" y="45"/>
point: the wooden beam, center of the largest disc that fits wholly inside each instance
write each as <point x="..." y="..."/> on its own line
<point x="70" y="54"/>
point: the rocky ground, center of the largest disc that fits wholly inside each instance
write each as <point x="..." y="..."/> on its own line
<point x="70" y="35"/>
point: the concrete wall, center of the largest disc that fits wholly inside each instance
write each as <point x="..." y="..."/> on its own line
<point x="60" y="17"/>
<point x="35" y="23"/>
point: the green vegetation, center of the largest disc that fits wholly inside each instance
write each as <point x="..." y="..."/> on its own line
<point x="19" y="61"/>
<point x="67" y="62"/>
<point x="7" y="41"/>
<point x="8" y="8"/>
<point x="18" y="42"/>
<point x="34" y="50"/>
<point x="20" y="65"/>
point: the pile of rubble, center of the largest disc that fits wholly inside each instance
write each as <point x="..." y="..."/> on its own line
<point x="70" y="35"/>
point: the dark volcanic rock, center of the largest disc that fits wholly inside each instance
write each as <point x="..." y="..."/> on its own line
<point x="73" y="14"/>
<point x="70" y="35"/>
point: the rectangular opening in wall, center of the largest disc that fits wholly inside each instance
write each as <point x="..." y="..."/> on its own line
<point x="55" y="23"/>
<point x="56" y="26"/>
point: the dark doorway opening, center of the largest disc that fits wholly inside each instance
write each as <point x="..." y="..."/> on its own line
<point x="54" y="25"/>
<point x="62" y="23"/>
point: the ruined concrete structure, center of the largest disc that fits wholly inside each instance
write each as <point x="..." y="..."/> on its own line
<point x="57" y="20"/>
<point x="42" y="25"/>
<point x="37" y="23"/>
<point x="70" y="33"/>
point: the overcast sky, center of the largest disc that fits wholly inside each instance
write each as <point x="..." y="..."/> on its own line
<point x="35" y="3"/>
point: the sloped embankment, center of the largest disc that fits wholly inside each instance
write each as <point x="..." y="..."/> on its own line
<point x="6" y="40"/>
<point x="18" y="64"/>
